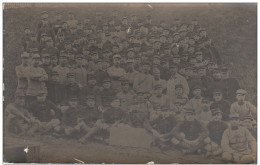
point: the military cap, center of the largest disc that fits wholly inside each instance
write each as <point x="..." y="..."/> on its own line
<point x="43" y="34"/>
<point x="176" y="56"/>
<point x="116" y="56"/>
<point x="246" y="117"/>
<point x="173" y="66"/>
<point x="189" y="109"/>
<point x="162" y="35"/>
<point x="45" y="54"/>
<point x="197" y="86"/>
<point x="25" y="55"/>
<point x="158" y="86"/>
<point x="70" y="75"/>
<point x="42" y="92"/>
<point x="91" y="77"/>
<point x="125" y="17"/>
<point x="146" y="63"/>
<point x="63" y="54"/>
<point x="156" y="56"/>
<point x="178" y="86"/>
<point x="115" y="36"/>
<point x="48" y="39"/>
<point x="34" y="56"/>
<point x="54" y="73"/>
<point x="107" y="80"/>
<point x="215" y="111"/>
<point x="79" y="56"/>
<point x="224" y="69"/>
<point x="129" y="61"/>
<point x="19" y="94"/>
<point x="233" y="115"/>
<point x="130" y="50"/>
<point x="26" y="27"/>
<point x="198" y="53"/>
<point x="92" y="97"/>
<point x="44" y="14"/>
<point x="215" y="70"/>
<point x="241" y="91"/>
<point x="202" y="68"/>
<point x="201" y="29"/>
<point x="157" y="41"/>
<point x="217" y="91"/>
<point x="73" y="98"/>
<point x="124" y="82"/>
<point x="175" y="34"/>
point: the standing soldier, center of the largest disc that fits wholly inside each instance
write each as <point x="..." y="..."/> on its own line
<point x="238" y="144"/>
<point x="131" y="73"/>
<point x="21" y="73"/>
<point x="37" y="78"/>
<point x="45" y="27"/>
<point x="80" y="72"/>
<point x="62" y="71"/>
<point x="116" y="73"/>
<point x="175" y="79"/>
<point x="144" y="82"/>
<point x="126" y="96"/>
<point x="158" y="97"/>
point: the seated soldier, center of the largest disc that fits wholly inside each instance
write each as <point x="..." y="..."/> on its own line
<point x="106" y="94"/>
<point x="158" y="97"/>
<point x="73" y="88"/>
<point x="69" y="120"/>
<point x="243" y="107"/>
<point x="190" y="134"/>
<point x="248" y="123"/>
<point x="237" y="143"/>
<point x="224" y="105"/>
<point x="126" y="96"/>
<point x="196" y="101"/>
<point x="216" y="127"/>
<point x="47" y="113"/>
<point x="178" y="110"/>
<point x="139" y="111"/>
<point x="89" y="117"/>
<point x="160" y="124"/>
<point x="179" y="95"/>
<point x="90" y="89"/>
<point x="17" y="119"/>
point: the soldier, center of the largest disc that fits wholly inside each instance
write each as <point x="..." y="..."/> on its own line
<point x="36" y="78"/>
<point x="230" y="85"/>
<point x="158" y="97"/>
<point x="139" y="111"/>
<point x="101" y="73"/>
<point x="33" y="43"/>
<point x="196" y="101"/>
<point x="178" y="97"/>
<point x="216" y="128"/>
<point x="190" y="134"/>
<point x="158" y="80"/>
<point x="107" y="94"/>
<point x="116" y="73"/>
<point x="21" y="73"/>
<point x="248" y="123"/>
<point x="126" y="96"/>
<point x="176" y="78"/>
<point x="80" y="72"/>
<point x="242" y="107"/>
<point x="72" y="22"/>
<point x="114" y="114"/>
<point x="17" y="119"/>
<point x="45" y="27"/>
<point x="26" y="38"/>
<point x="238" y="144"/>
<point x="131" y="73"/>
<point x="62" y="71"/>
<point x="222" y="104"/>
<point x="164" y="69"/>
<point x="89" y="117"/>
<point x="91" y="88"/>
<point x="92" y="67"/>
<point x="72" y="87"/>
<point x="47" y="113"/>
<point x="69" y="119"/>
<point x="144" y="82"/>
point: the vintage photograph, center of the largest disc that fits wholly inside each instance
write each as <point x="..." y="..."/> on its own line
<point x="130" y="83"/>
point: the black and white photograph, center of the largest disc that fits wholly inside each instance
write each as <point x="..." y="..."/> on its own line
<point x="130" y="83"/>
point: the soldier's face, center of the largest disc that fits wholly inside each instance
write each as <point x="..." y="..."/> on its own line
<point x="73" y="103"/>
<point x="216" y="75"/>
<point x="189" y="116"/>
<point x="36" y="61"/>
<point x="107" y="85"/>
<point x="234" y="121"/>
<point x="191" y="50"/>
<point x="146" y="68"/>
<point x="176" y="60"/>
<point x="197" y="92"/>
<point x="179" y="91"/>
<point x="116" y="61"/>
<point x="58" y="17"/>
<point x="20" y="101"/>
<point x="193" y="61"/>
<point x="173" y="70"/>
<point x="247" y="123"/>
<point x="63" y="60"/>
<point x="71" y="16"/>
<point x="217" y="117"/>
<point x="41" y="98"/>
<point x="165" y="65"/>
<point x="46" y="60"/>
<point x="225" y="75"/>
<point x="156" y="61"/>
<point x="158" y="91"/>
<point x="71" y="56"/>
<point x="199" y="57"/>
<point x="33" y="38"/>
<point x="203" y="34"/>
<point x="105" y="28"/>
<point x="156" y="75"/>
<point x="202" y="72"/>
<point x="25" y="61"/>
<point x="240" y="97"/>
<point x="217" y="96"/>
<point x="27" y="31"/>
<point x="175" y="50"/>
<point x="92" y="82"/>
<point x="115" y="103"/>
<point x="79" y="61"/>
<point x="91" y="102"/>
<point x="67" y="46"/>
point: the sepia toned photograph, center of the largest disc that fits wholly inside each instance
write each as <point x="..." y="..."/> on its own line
<point x="130" y="83"/>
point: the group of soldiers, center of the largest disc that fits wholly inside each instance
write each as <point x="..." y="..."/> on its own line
<point x="77" y="79"/>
